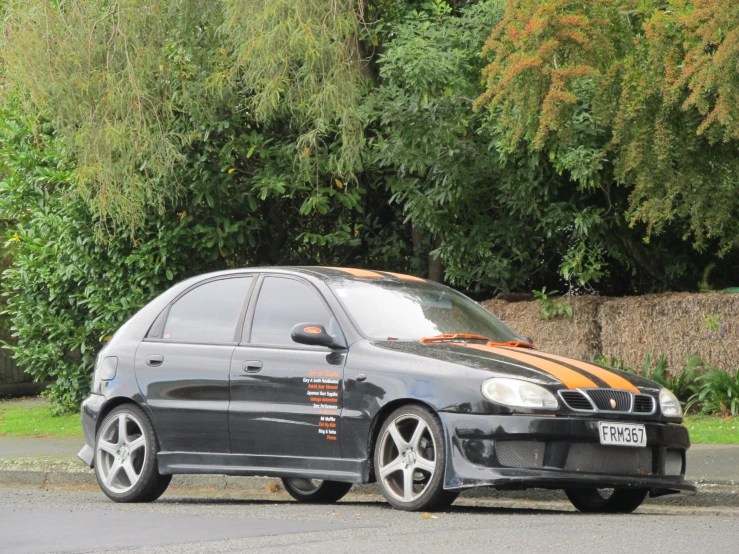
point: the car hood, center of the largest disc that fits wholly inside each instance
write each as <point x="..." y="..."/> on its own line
<point x="524" y="363"/>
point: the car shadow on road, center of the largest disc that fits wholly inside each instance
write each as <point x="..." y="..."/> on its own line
<point x="369" y="503"/>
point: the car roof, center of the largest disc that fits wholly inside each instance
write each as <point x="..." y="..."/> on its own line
<point x="355" y="274"/>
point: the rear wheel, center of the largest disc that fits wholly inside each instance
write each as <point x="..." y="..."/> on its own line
<point x="410" y="457"/>
<point x="315" y="491"/>
<point x="126" y="457"/>
<point x="606" y="501"/>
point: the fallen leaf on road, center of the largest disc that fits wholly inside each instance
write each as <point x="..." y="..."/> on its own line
<point x="427" y="515"/>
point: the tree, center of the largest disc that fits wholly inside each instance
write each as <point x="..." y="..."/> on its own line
<point x="597" y="88"/>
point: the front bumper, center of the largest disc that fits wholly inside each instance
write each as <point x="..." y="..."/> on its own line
<point x="89" y="413"/>
<point x="559" y="453"/>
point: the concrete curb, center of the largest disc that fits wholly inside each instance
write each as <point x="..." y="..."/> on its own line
<point x="709" y="496"/>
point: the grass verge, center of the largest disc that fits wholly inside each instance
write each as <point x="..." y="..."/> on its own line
<point x="713" y="429"/>
<point x="34" y="419"/>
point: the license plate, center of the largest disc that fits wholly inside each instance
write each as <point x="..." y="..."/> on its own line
<point x="622" y="434"/>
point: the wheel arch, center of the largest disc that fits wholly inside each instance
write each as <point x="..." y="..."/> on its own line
<point x="380" y="418"/>
<point x="112" y="404"/>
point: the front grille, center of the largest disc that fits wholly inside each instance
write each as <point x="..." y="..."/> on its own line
<point x="610" y="400"/>
<point x="520" y="453"/>
<point x="643" y="404"/>
<point x="619" y="460"/>
<point x="673" y="462"/>
<point x="576" y="400"/>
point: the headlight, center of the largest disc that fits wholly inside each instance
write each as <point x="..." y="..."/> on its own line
<point x="669" y="404"/>
<point x="514" y="392"/>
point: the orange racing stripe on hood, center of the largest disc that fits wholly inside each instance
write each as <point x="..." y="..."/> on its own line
<point x="612" y="379"/>
<point x="569" y="377"/>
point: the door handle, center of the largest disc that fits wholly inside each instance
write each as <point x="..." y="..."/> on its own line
<point x="155" y="360"/>
<point x="252" y="366"/>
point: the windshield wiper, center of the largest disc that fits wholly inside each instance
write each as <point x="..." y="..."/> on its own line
<point x="513" y="344"/>
<point x="465" y="337"/>
<point x="451" y="337"/>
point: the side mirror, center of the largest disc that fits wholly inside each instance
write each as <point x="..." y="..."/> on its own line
<point x="313" y="335"/>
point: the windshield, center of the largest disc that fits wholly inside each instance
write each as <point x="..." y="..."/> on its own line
<point x="409" y="311"/>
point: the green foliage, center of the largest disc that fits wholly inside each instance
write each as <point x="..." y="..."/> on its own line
<point x="68" y="288"/>
<point x="717" y="392"/>
<point x="492" y="220"/>
<point x="616" y="95"/>
<point x="70" y="285"/>
<point x="549" y="308"/>
<point x="303" y="62"/>
<point x="718" y="389"/>
<point x="683" y="382"/>
<point x="110" y="77"/>
<point x="704" y="285"/>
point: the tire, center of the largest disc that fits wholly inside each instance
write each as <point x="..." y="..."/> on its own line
<point x="411" y="449"/>
<point x="594" y="501"/>
<point x="315" y="491"/>
<point x="126" y="463"/>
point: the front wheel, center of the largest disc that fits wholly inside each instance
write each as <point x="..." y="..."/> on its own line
<point x="410" y="457"/>
<point x="606" y="501"/>
<point x="315" y="491"/>
<point x="126" y="457"/>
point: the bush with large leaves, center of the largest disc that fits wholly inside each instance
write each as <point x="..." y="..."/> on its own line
<point x="72" y="283"/>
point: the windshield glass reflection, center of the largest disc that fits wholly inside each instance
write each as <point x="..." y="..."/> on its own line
<point x="391" y="310"/>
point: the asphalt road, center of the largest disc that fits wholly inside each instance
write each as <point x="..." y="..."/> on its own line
<point x="33" y="520"/>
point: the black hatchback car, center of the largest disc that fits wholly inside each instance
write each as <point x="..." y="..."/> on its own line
<point x="327" y="377"/>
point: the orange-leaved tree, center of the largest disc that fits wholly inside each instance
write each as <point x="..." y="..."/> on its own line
<point x="637" y="98"/>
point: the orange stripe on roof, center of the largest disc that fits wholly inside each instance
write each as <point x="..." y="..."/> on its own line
<point x="613" y="379"/>
<point x="405" y="277"/>
<point x="359" y="272"/>
<point x="569" y="377"/>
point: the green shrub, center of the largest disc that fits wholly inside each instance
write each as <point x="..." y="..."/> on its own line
<point x="69" y="287"/>
<point x="76" y="278"/>
<point x="717" y="392"/>
<point x="550" y="308"/>
<point x="681" y="383"/>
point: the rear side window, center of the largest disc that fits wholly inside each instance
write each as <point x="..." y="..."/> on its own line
<point x="282" y="304"/>
<point x="208" y="313"/>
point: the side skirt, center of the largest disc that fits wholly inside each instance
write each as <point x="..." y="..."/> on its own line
<point x="329" y="469"/>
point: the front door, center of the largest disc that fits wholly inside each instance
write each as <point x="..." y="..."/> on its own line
<point x="286" y="398"/>
<point x="183" y="371"/>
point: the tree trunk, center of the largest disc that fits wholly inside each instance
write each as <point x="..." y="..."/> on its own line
<point x="417" y="246"/>
<point x="436" y="268"/>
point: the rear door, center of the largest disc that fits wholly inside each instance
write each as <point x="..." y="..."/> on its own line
<point x="183" y="367"/>
<point x="286" y="398"/>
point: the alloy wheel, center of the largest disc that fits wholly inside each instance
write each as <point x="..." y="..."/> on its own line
<point x="121" y="453"/>
<point x="407" y="457"/>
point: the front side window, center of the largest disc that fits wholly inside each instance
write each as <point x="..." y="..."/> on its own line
<point x="282" y="304"/>
<point x="208" y="313"/>
<point x="384" y="309"/>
